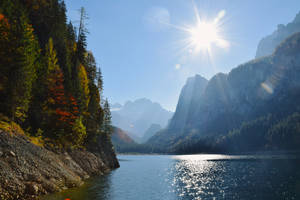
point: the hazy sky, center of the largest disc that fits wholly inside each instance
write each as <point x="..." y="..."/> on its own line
<point x="142" y="52"/>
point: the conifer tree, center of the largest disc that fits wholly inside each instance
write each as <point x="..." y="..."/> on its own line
<point x="95" y="114"/>
<point x="106" y="124"/>
<point x="91" y="67"/>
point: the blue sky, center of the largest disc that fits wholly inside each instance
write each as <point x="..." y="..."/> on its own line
<point x="141" y="53"/>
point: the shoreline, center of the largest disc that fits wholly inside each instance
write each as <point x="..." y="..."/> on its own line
<point x="29" y="171"/>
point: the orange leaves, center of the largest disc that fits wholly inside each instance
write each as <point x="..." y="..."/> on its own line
<point x="4" y="26"/>
<point x="1" y="16"/>
<point x="64" y="116"/>
<point x="62" y="113"/>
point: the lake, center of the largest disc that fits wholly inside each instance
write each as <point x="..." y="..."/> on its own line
<point x="184" y="177"/>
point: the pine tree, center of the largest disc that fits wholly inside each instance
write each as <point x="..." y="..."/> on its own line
<point x="99" y="80"/>
<point x="91" y="67"/>
<point x="81" y="40"/>
<point x="95" y="115"/>
<point x="106" y="124"/>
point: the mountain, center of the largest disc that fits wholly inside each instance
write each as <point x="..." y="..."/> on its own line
<point x="154" y="128"/>
<point x="188" y="99"/>
<point x="242" y="110"/>
<point x="137" y="116"/>
<point x="268" y="44"/>
<point x="120" y="139"/>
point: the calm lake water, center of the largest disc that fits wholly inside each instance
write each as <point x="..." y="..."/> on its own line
<point x="154" y="177"/>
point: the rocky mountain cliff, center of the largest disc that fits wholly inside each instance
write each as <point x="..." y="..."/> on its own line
<point x="270" y="85"/>
<point x="268" y="44"/>
<point x="188" y="100"/>
<point x="137" y="116"/>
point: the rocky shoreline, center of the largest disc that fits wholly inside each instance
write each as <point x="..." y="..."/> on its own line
<point x="28" y="171"/>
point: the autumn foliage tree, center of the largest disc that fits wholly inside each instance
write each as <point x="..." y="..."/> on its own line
<point x="61" y="109"/>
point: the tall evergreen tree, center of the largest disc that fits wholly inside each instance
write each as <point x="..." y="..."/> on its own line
<point x="81" y="40"/>
<point x="106" y="124"/>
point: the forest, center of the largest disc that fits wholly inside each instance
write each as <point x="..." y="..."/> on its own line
<point x="50" y="84"/>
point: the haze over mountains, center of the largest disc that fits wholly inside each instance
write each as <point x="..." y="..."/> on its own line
<point x="253" y="107"/>
<point x="138" y="116"/>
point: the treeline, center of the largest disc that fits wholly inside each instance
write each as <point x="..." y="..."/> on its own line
<point x="134" y="148"/>
<point x="49" y="82"/>
<point x="263" y="133"/>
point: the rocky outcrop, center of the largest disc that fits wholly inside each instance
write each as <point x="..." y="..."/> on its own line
<point x="268" y="44"/>
<point x="28" y="171"/>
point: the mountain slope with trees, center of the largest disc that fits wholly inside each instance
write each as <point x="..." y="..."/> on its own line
<point x="121" y="140"/>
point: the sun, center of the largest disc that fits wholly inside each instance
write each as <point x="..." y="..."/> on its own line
<point x="205" y="34"/>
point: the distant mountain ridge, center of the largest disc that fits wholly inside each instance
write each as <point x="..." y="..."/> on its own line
<point x="268" y="44"/>
<point x="137" y="116"/>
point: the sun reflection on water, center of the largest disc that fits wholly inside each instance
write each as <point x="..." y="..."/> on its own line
<point x="192" y="175"/>
<point x="210" y="176"/>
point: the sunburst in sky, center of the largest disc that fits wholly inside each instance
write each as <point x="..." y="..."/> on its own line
<point x="204" y="34"/>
